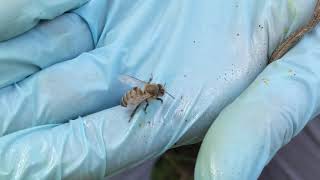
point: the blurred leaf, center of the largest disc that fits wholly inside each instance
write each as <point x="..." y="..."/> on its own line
<point x="176" y="164"/>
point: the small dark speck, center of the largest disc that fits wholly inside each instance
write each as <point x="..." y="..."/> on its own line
<point x="175" y="144"/>
<point x="194" y="41"/>
<point x="184" y="75"/>
<point x="149" y="122"/>
<point x="238" y="34"/>
<point x="181" y="97"/>
<point x="185" y="120"/>
<point x="294" y="74"/>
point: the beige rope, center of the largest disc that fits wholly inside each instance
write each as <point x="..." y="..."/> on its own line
<point x="288" y="43"/>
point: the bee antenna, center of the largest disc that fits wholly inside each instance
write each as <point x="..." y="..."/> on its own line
<point x="169" y="94"/>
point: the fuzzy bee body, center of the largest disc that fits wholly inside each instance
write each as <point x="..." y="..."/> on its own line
<point x="136" y="96"/>
<point x="133" y="97"/>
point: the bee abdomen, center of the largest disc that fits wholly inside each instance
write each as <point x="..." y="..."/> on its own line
<point x="138" y="91"/>
<point x="124" y="102"/>
<point x="131" y="96"/>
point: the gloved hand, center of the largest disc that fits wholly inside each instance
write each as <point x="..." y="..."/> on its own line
<point x="266" y="116"/>
<point x="60" y="91"/>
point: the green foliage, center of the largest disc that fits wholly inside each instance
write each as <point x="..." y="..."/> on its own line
<point x="176" y="164"/>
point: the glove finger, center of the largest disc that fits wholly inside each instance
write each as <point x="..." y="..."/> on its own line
<point x="19" y="16"/>
<point x="275" y="107"/>
<point x="48" y="43"/>
<point x="86" y="148"/>
<point x="81" y="86"/>
<point x="97" y="13"/>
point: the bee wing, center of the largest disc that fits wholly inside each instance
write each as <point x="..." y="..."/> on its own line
<point x="143" y="98"/>
<point x="132" y="81"/>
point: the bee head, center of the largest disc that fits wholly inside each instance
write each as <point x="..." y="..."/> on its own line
<point x="155" y="89"/>
<point x="161" y="90"/>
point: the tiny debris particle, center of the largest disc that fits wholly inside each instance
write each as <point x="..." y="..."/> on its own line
<point x="265" y="81"/>
<point x="194" y="41"/>
<point x="184" y="75"/>
<point x="290" y="71"/>
<point x="238" y="34"/>
<point x="186" y="120"/>
<point x="260" y="26"/>
<point x="181" y="97"/>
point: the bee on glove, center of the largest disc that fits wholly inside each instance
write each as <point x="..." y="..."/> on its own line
<point x="141" y="92"/>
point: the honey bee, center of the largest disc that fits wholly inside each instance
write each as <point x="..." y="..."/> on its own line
<point x="141" y="92"/>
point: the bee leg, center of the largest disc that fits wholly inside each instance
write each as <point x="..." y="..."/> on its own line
<point x="145" y="108"/>
<point x="134" y="111"/>
<point x="150" y="78"/>
<point x="159" y="99"/>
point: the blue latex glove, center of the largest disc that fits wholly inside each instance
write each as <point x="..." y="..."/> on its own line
<point x="265" y="117"/>
<point x="17" y="17"/>
<point x="206" y="52"/>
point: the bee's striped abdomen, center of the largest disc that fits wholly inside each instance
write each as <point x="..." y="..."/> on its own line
<point x="131" y="97"/>
<point x="123" y="102"/>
